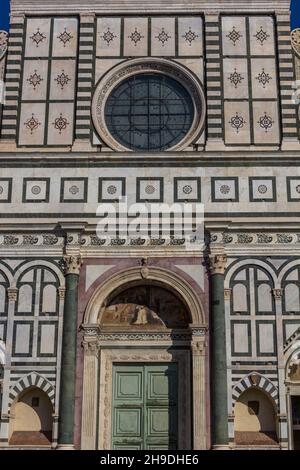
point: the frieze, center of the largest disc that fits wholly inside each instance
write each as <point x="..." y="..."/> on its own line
<point x="231" y="238"/>
<point x="161" y="336"/>
<point x="33" y="240"/>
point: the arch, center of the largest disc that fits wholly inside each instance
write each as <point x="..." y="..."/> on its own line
<point x="245" y="263"/>
<point x="255" y="380"/>
<point x="164" y="277"/>
<point x="31" y="418"/>
<point x="7" y="274"/>
<point x="32" y="380"/>
<point x="287" y="268"/>
<point x="255" y="419"/>
<point x="39" y="263"/>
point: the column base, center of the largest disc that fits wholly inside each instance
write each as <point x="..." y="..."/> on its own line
<point x="221" y="447"/>
<point x="65" y="447"/>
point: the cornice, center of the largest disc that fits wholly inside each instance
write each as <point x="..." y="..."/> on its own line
<point x="35" y="7"/>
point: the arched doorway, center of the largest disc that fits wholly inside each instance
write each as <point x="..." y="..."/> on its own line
<point x="255" y="422"/>
<point x="138" y="353"/>
<point x="31" y="419"/>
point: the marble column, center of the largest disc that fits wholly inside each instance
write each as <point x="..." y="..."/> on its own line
<point x="90" y="404"/>
<point x="219" y="364"/>
<point x="68" y="364"/>
<point x="199" y="393"/>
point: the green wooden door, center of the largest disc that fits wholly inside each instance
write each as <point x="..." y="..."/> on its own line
<point x="145" y="407"/>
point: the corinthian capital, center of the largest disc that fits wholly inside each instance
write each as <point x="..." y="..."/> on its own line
<point x="72" y="264"/>
<point x="218" y="264"/>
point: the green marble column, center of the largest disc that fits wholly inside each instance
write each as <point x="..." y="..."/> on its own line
<point x="218" y="350"/>
<point x="68" y="364"/>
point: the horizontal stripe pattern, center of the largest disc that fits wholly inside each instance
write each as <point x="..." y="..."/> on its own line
<point x="13" y="78"/>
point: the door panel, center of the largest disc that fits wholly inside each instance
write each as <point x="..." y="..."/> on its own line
<point x="145" y="408"/>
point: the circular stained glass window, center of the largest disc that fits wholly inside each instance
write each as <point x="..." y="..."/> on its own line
<point x="150" y="112"/>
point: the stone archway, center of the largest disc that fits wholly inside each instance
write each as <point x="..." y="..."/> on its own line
<point x="121" y="329"/>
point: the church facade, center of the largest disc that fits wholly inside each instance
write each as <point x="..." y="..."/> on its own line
<point x="134" y="341"/>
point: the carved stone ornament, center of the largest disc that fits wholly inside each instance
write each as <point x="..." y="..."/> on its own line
<point x="149" y="65"/>
<point x="218" y="264"/>
<point x="277" y="293"/>
<point x="61" y="293"/>
<point x="227" y="294"/>
<point x="72" y="264"/>
<point x="255" y="379"/>
<point x="295" y="38"/>
<point x="12" y="294"/>
<point x="3" y="43"/>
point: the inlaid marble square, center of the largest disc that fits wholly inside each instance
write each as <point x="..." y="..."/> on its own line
<point x="187" y="189"/>
<point x="65" y="37"/>
<point x="266" y="122"/>
<point x="74" y="190"/>
<point x="234" y="36"/>
<point x="235" y="78"/>
<point x="36" y="189"/>
<point x="32" y="124"/>
<point x="35" y="79"/>
<point x="262" y="189"/>
<point x="149" y="189"/>
<point x="293" y="188"/>
<point x="261" y="30"/>
<point x="190" y="36"/>
<point x="60" y="123"/>
<point x="62" y="81"/>
<point x="37" y="37"/>
<point x="237" y="122"/>
<point x="264" y="78"/>
<point x="135" y="37"/>
<point x="111" y="189"/>
<point x="5" y="189"/>
<point x="108" y="37"/>
<point x="163" y="37"/>
<point x="224" y="189"/>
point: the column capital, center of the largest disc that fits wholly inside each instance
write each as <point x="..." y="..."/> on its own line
<point x="227" y="294"/>
<point x="218" y="263"/>
<point x="12" y="293"/>
<point x="277" y="293"/>
<point x="72" y="264"/>
<point x="88" y="16"/>
<point x="61" y="293"/>
<point x="91" y="348"/>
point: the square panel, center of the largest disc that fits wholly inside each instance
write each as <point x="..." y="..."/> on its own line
<point x="158" y="422"/>
<point x="62" y="80"/>
<point x="111" y="189"/>
<point x="224" y="189"/>
<point x="47" y="339"/>
<point x="108" y="37"/>
<point x="261" y="30"/>
<point x="65" y="37"/>
<point x="235" y="78"/>
<point x="187" y="189"/>
<point x="234" y="36"/>
<point x="74" y="190"/>
<point x="149" y="189"/>
<point x="265" y="338"/>
<point x="190" y="36"/>
<point x="293" y="188"/>
<point x="135" y="37"/>
<point x="163" y="37"/>
<point x="264" y="78"/>
<point x="32" y="124"/>
<point x="60" y="124"/>
<point x="5" y="189"/>
<point x="237" y="123"/>
<point x="36" y="190"/>
<point x="241" y="338"/>
<point x="262" y="189"/>
<point x="22" y="338"/>
<point x="37" y="37"/>
<point x="266" y="122"/>
<point x="127" y="422"/>
<point x="35" y="79"/>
